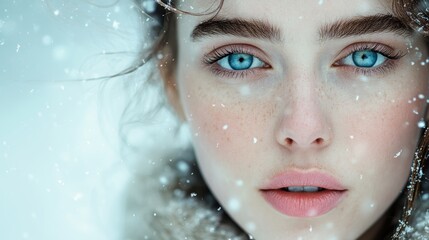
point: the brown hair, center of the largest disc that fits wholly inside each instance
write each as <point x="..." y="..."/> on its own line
<point x="415" y="14"/>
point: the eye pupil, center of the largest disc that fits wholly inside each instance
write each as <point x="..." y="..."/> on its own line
<point x="365" y="59"/>
<point x="240" y="61"/>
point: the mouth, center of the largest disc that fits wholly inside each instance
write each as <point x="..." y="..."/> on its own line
<point x="303" y="194"/>
<point x="308" y="189"/>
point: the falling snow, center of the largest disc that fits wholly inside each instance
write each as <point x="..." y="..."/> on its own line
<point x="421" y="124"/>
<point x="245" y="90"/>
<point x="115" y="25"/>
<point x="398" y="154"/>
<point x="234" y="205"/>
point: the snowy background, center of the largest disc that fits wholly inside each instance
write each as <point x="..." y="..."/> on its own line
<point x="58" y="134"/>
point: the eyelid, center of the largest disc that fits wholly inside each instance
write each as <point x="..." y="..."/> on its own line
<point x="383" y="49"/>
<point x="218" y="53"/>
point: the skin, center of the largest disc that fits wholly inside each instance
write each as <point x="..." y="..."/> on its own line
<point x="302" y="113"/>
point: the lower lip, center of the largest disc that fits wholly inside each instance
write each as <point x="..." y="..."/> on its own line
<point x="303" y="204"/>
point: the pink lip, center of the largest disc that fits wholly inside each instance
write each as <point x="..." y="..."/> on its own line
<point x="303" y="204"/>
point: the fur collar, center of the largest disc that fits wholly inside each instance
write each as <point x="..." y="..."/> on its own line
<point x="418" y="228"/>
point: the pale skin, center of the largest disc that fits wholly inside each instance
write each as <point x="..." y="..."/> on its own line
<point x="305" y="108"/>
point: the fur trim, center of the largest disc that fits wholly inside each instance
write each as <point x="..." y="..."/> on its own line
<point x="418" y="228"/>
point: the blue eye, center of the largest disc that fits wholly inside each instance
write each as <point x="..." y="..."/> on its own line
<point x="240" y="62"/>
<point x="365" y="59"/>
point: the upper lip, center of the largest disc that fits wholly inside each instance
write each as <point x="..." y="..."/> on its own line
<point x="314" y="178"/>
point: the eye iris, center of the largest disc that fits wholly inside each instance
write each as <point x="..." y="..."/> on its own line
<point x="240" y="61"/>
<point x="366" y="58"/>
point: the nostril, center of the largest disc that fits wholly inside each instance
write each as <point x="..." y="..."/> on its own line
<point x="319" y="141"/>
<point x="289" y="141"/>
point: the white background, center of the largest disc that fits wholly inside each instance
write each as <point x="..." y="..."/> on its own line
<point x="60" y="170"/>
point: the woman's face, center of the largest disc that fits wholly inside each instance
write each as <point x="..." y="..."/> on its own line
<point x="304" y="114"/>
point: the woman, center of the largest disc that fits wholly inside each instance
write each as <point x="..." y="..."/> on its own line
<point x="304" y="119"/>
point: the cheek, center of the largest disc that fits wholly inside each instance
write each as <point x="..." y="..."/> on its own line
<point x="226" y="129"/>
<point x="391" y="130"/>
<point x="381" y="142"/>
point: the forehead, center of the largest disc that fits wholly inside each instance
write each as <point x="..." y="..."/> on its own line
<point x="290" y="16"/>
<point x="289" y="8"/>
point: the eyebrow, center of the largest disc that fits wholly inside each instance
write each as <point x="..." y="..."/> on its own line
<point x="364" y="25"/>
<point x="263" y="30"/>
<point x="237" y="27"/>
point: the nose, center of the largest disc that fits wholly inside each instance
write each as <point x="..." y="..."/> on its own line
<point x="304" y="123"/>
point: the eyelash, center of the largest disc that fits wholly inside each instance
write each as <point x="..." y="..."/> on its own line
<point x="378" y="48"/>
<point x="217" y="54"/>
